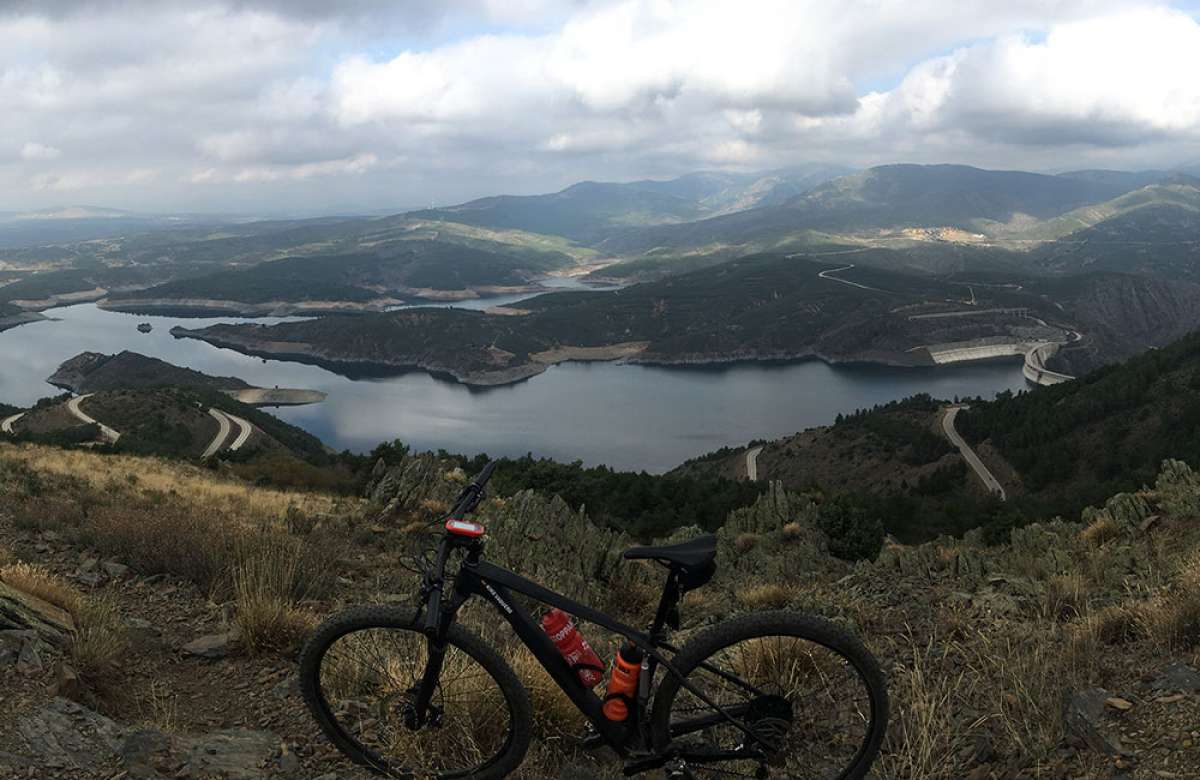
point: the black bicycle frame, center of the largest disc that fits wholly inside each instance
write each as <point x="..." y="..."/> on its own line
<point x="495" y="584"/>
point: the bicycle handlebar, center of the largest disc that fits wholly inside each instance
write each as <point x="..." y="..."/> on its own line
<point x="468" y="499"/>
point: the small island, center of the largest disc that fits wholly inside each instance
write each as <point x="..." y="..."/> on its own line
<point x="91" y="372"/>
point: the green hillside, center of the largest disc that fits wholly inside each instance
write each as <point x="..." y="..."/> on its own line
<point x="1074" y="444"/>
<point x="886" y="197"/>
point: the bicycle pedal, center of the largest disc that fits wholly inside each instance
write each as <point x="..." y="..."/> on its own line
<point x="591" y="739"/>
<point x="678" y="770"/>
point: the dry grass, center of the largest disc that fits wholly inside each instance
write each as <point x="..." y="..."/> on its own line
<point x="160" y="708"/>
<point x="1033" y="675"/>
<point x="924" y="731"/>
<point x="99" y="636"/>
<point x="744" y="543"/>
<point x="1110" y="625"/>
<point x="1101" y="530"/>
<point x="99" y="639"/>
<point x="1066" y="596"/>
<point x="766" y="596"/>
<point x="190" y="484"/>
<point x="554" y="715"/>
<point x="48" y="587"/>
<point x="270" y="577"/>
<point x="793" y="532"/>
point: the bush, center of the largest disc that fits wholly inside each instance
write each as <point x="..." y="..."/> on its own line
<point x="854" y="529"/>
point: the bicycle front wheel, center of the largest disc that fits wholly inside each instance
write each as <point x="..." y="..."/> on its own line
<point x="360" y="673"/>
<point x="813" y="697"/>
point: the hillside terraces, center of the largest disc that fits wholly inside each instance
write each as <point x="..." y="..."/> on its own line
<point x="982" y="644"/>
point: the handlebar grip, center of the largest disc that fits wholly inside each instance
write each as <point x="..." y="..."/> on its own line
<point x="486" y="474"/>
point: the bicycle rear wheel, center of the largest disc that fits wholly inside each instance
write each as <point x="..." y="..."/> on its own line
<point x="359" y="674"/>
<point x="810" y="690"/>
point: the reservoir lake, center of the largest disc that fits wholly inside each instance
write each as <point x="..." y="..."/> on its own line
<point x="629" y="417"/>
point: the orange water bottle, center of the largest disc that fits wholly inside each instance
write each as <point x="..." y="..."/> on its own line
<point x="623" y="684"/>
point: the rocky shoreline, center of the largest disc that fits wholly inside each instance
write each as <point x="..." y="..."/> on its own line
<point x="629" y="352"/>
<point x="17" y="320"/>
<point x="180" y="307"/>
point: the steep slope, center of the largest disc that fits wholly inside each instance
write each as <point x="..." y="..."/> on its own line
<point x="1089" y="637"/>
<point x="1075" y="443"/>
<point x="1121" y="315"/>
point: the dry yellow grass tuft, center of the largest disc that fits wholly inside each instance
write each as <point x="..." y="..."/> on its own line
<point x="1101" y="530"/>
<point x="744" y="543"/>
<point x="99" y="636"/>
<point x="1066" y="596"/>
<point x="269" y="579"/>
<point x="37" y="581"/>
<point x="1109" y="625"/>
<point x="435" y="506"/>
<point x="766" y="596"/>
<point x="792" y="532"/>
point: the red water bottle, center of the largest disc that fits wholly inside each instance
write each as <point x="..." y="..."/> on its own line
<point x="574" y="648"/>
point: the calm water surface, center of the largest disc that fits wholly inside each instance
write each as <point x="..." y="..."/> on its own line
<point x="629" y="417"/>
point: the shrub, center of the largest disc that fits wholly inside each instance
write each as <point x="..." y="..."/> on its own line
<point x="271" y="574"/>
<point x="744" y="543"/>
<point x="1101" y="530"/>
<point x="99" y="639"/>
<point x="767" y="596"/>
<point x="855" y="532"/>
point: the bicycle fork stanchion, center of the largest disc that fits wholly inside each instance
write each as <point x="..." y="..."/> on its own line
<point x="429" y="682"/>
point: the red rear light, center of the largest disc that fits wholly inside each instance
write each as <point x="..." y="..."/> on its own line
<point x="464" y="528"/>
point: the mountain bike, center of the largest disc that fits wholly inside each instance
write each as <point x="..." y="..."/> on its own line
<point x="412" y="693"/>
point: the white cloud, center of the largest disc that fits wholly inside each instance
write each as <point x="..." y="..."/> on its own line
<point x="32" y="150"/>
<point x="277" y="101"/>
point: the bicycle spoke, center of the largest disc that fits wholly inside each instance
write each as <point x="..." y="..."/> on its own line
<point x="369" y="679"/>
<point x="809" y="719"/>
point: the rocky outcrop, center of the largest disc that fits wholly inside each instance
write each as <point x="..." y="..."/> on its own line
<point x="71" y="738"/>
<point x="416" y="479"/>
<point x="1178" y="489"/>
<point x="20" y="611"/>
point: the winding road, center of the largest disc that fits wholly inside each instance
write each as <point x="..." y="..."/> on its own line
<point x="847" y="267"/>
<point x="226" y="421"/>
<point x="7" y="425"/>
<point x="752" y="463"/>
<point x="983" y="472"/>
<point x="109" y="434"/>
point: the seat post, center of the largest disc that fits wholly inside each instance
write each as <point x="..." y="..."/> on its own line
<point x="668" y="602"/>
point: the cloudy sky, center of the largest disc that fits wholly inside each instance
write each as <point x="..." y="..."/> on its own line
<point x="306" y="106"/>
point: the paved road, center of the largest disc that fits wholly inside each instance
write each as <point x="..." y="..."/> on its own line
<point x="73" y="407"/>
<point x="752" y="463"/>
<point x="985" y="475"/>
<point x="247" y="429"/>
<point x="847" y="267"/>
<point x="222" y="434"/>
<point x="7" y="424"/>
<point x="226" y="422"/>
